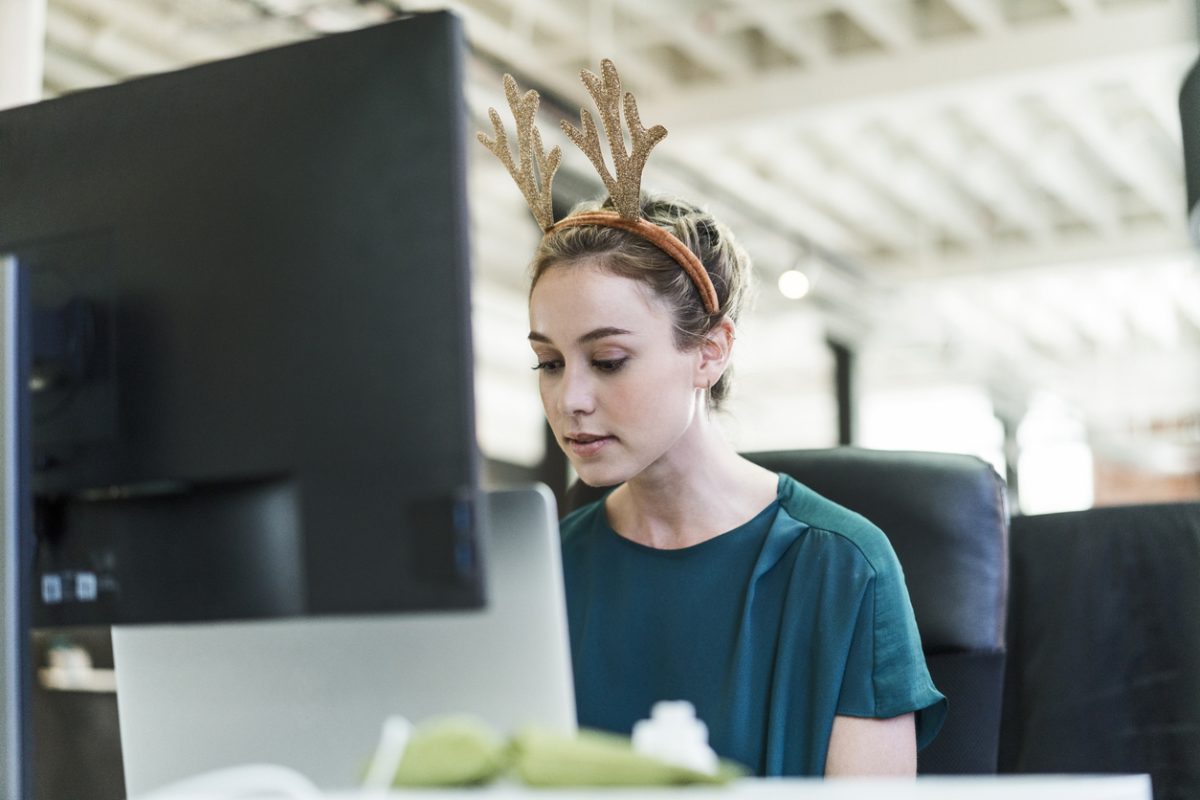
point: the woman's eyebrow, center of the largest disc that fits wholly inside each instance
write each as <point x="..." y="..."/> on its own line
<point x="602" y="333"/>
<point x="590" y="336"/>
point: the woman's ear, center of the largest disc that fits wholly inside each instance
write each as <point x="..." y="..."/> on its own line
<point x="714" y="354"/>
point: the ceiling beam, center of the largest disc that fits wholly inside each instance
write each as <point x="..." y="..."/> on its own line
<point x="1159" y="92"/>
<point x="1096" y="313"/>
<point x="785" y="30"/>
<point x="1116" y="41"/>
<point x="104" y="45"/>
<point x="1031" y="317"/>
<point x="803" y="175"/>
<point x="980" y="172"/>
<point x="710" y="52"/>
<point x="983" y="15"/>
<point x="499" y="42"/>
<point x="765" y="199"/>
<point x="1127" y="149"/>
<point x="1052" y="158"/>
<point x="1083" y="9"/>
<point x="1074" y="256"/>
<point x="65" y="72"/>
<point x="985" y="343"/>
<point x="908" y="180"/>
<point x="885" y="21"/>
<point x="1150" y="311"/>
<point x="574" y="41"/>
<point x="1185" y="288"/>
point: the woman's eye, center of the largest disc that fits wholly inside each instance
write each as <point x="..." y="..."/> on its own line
<point x="609" y="364"/>
<point x="548" y="366"/>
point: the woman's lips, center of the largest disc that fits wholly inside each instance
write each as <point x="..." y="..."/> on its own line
<point x="586" y="445"/>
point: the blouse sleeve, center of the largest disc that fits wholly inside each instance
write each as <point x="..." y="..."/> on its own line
<point x="886" y="674"/>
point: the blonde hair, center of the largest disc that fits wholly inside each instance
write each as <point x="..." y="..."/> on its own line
<point x="630" y="256"/>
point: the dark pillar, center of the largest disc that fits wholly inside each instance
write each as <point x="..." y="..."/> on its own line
<point x="1012" y="453"/>
<point x="846" y="388"/>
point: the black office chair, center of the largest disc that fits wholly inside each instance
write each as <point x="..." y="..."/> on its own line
<point x="1104" y="645"/>
<point x="947" y="518"/>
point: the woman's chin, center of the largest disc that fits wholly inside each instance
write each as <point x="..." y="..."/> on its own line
<point x="598" y="475"/>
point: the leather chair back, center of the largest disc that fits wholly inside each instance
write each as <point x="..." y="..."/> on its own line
<point x="1104" y="645"/>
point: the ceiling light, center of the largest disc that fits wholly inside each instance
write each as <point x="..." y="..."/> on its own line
<point x="794" y="284"/>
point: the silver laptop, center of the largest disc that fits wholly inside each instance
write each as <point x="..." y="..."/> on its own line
<point x="312" y="694"/>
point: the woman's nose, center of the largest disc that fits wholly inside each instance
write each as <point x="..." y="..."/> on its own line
<point x="577" y="395"/>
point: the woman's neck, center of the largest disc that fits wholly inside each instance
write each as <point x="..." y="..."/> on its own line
<point x="699" y="490"/>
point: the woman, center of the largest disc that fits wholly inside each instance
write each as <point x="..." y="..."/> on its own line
<point x="781" y="616"/>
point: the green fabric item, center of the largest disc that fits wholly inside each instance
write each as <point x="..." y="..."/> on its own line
<point x="595" y="758"/>
<point x="770" y="630"/>
<point x="452" y="751"/>
<point x="463" y="750"/>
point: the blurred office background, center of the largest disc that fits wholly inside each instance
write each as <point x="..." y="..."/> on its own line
<point x="967" y="216"/>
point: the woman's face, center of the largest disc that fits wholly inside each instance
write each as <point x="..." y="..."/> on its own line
<point x="616" y="391"/>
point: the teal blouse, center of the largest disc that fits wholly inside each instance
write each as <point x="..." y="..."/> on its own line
<point x="770" y="630"/>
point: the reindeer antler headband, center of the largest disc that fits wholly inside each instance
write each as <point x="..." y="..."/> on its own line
<point x="624" y="189"/>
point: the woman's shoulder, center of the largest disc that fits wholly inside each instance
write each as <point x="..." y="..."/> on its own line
<point x="838" y="525"/>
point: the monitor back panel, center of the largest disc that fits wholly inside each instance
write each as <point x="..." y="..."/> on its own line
<point x="249" y="278"/>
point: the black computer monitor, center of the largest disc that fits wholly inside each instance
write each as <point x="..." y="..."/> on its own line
<point x="246" y="307"/>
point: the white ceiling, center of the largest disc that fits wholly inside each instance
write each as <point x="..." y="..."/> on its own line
<point x="982" y="191"/>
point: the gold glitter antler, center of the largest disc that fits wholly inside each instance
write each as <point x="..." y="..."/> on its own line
<point x="625" y="189"/>
<point x="535" y="187"/>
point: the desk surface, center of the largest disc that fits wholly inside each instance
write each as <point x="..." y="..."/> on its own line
<point x="1018" y="787"/>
